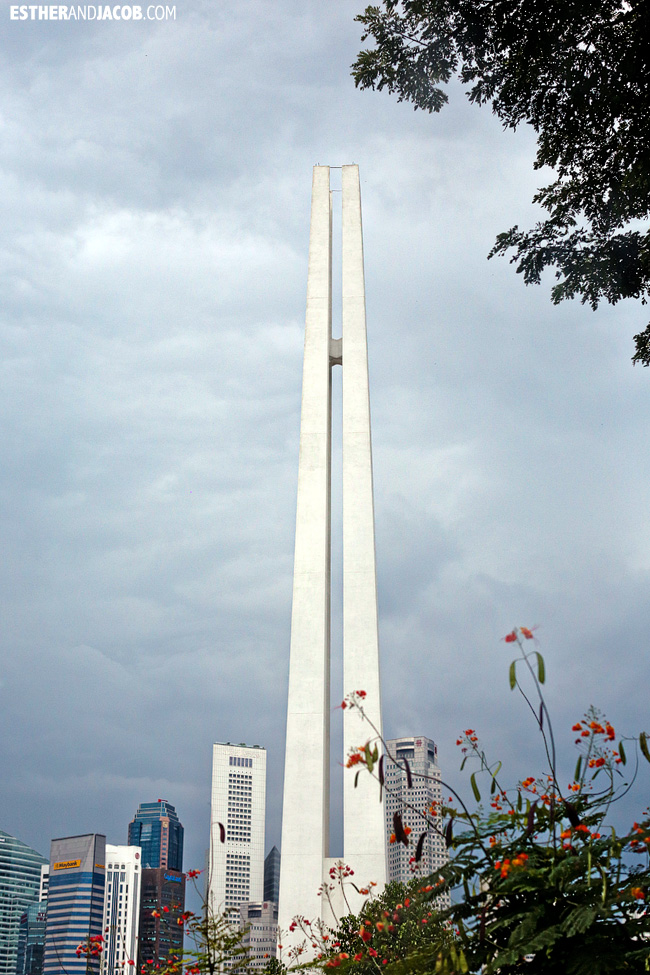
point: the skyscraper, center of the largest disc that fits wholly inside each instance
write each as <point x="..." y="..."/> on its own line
<point x="121" y="908"/>
<point x="305" y="813"/>
<point x="20" y="874"/>
<point x="75" y="904"/>
<point x="236" y="865"/>
<point x="31" y="940"/>
<point x="272" y="876"/>
<point x="157" y="830"/>
<point x="425" y="796"/>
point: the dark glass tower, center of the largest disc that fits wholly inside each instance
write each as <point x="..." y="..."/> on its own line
<point x="31" y="940"/>
<point x="157" y="830"/>
<point x="272" y="876"/>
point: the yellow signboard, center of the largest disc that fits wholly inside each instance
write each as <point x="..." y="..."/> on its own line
<point x="66" y="865"/>
<point x="100" y="866"/>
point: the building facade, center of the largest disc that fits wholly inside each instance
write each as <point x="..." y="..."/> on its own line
<point x="121" y="908"/>
<point x="157" y="830"/>
<point x="236" y="857"/>
<point x="259" y="922"/>
<point x="272" y="876"/>
<point x="75" y="905"/>
<point x="20" y="873"/>
<point x="45" y="882"/>
<point x="31" y="940"/>
<point x="424" y="797"/>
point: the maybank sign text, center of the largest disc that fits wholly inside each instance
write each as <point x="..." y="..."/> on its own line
<point x="66" y="865"/>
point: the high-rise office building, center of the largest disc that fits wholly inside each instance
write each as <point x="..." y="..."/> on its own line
<point x="20" y="873"/>
<point x="31" y="940"/>
<point x="272" y="876"/>
<point x="121" y="908"/>
<point x="75" y="904"/>
<point x="236" y="865"/>
<point x="157" y="830"/>
<point x="424" y="797"/>
<point x="259" y="922"/>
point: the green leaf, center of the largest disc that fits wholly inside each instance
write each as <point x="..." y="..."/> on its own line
<point x="493" y="787"/>
<point x="579" y="920"/>
<point x="578" y="770"/>
<point x="477" y="794"/>
<point x="541" y="669"/>
<point x="513" y="675"/>
<point x="621" y="752"/>
<point x="643" y="742"/>
<point x="520" y="802"/>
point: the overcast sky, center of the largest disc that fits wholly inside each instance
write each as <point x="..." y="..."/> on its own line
<point x="155" y="183"/>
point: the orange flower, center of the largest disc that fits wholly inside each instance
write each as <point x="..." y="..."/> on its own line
<point x="355" y="760"/>
<point x="511" y="637"/>
<point x="526" y="632"/>
<point x="638" y="893"/>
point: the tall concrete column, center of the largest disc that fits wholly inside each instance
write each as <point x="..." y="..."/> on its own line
<point x="305" y="863"/>
<point x="305" y="811"/>
<point x="364" y="844"/>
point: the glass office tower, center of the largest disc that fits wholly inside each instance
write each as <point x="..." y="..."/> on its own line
<point x="157" y="830"/>
<point x="20" y="877"/>
<point x="31" y="940"/>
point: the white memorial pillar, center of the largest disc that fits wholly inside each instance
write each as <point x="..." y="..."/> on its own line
<point x="305" y="863"/>
<point x="364" y="842"/>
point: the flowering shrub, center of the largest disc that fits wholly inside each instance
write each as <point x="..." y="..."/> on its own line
<point x="538" y="882"/>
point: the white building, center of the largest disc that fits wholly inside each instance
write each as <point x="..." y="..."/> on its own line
<point x="422" y="757"/>
<point x="121" y="908"/>
<point x="236" y="865"/>
<point x="259" y="922"/>
<point x="45" y="882"/>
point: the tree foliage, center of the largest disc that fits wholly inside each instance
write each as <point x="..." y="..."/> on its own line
<point x="578" y="72"/>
